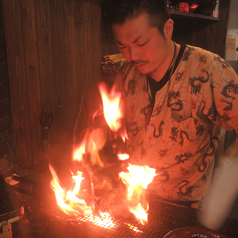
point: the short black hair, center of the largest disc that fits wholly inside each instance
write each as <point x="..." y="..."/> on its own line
<point x="119" y="11"/>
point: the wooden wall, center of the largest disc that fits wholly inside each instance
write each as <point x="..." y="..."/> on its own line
<point x="6" y="138"/>
<point x="54" y="54"/>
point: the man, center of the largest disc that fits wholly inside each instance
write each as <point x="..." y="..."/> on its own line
<point x="177" y="98"/>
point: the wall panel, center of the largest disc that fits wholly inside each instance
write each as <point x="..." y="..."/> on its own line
<point x="54" y="53"/>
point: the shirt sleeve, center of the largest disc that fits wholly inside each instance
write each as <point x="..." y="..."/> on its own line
<point x="221" y="96"/>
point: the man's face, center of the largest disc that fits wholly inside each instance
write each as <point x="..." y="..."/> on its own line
<point x="141" y="44"/>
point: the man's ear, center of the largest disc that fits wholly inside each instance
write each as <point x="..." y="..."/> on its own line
<point x="168" y="29"/>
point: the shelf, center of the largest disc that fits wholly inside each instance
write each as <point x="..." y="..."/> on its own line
<point x="187" y="15"/>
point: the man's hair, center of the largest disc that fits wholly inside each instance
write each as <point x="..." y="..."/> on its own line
<point x="119" y="11"/>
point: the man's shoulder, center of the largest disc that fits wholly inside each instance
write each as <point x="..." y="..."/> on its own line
<point x="196" y="50"/>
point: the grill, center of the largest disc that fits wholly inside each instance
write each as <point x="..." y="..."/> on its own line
<point x="43" y="219"/>
<point x="11" y="209"/>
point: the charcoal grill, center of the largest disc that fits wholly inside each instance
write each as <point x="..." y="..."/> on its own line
<point x="11" y="209"/>
<point x="45" y="220"/>
<point x="164" y="217"/>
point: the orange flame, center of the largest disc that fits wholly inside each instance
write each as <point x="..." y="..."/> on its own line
<point x="137" y="180"/>
<point x="111" y="107"/>
<point x="70" y="204"/>
<point x="68" y="200"/>
<point x="79" y="152"/>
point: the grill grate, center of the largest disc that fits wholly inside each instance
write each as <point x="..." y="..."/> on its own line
<point x="163" y="217"/>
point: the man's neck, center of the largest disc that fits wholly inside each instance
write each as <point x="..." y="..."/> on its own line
<point x="159" y="73"/>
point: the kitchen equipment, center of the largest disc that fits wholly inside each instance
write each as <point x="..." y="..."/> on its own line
<point x="11" y="209"/>
<point x="163" y="217"/>
<point x="193" y="231"/>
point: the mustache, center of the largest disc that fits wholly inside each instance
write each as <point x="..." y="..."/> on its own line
<point x="135" y="62"/>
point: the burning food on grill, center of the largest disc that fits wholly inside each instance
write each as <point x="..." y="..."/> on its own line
<point x="113" y="185"/>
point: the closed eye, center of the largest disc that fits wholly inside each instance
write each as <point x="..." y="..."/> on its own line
<point x="121" y="47"/>
<point x="143" y="43"/>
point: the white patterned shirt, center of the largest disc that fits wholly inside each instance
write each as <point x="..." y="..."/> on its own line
<point x="182" y="134"/>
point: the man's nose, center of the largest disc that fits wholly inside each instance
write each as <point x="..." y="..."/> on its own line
<point x="134" y="54"/>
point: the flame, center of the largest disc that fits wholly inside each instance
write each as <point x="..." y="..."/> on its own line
<point x="137" y="180"/>
<point x="69" y="201"/>
<point x="70" y="204"/>
<point x="111" y="107"/>
<point x="96" y="141"/>
<point x="79" y="152"/>
<point x="123" y="156"/>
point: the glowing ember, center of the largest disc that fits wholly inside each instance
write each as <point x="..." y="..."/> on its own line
<point x="134" y="228"/>
<point x="104" y="220"/>
<point x="123" y="156"/>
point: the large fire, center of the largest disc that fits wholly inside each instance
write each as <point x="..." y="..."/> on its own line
<point x="93" y="151"/>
